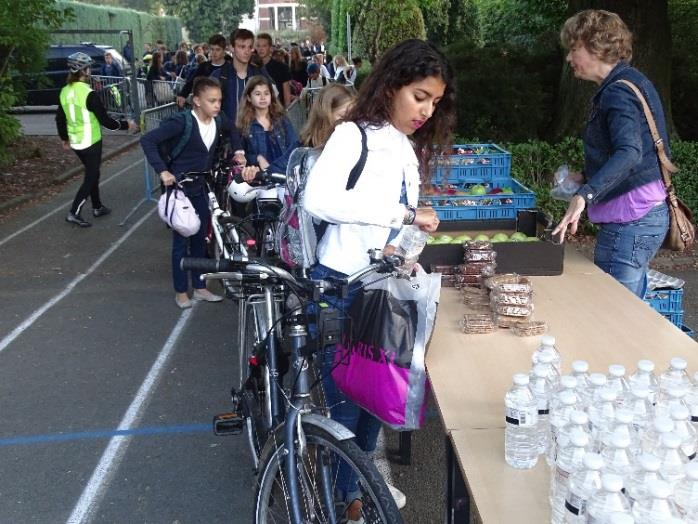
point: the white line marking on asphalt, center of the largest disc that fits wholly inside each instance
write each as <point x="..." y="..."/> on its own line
<point x="8" y="339"/>
<point x="111" y="458"/>
<point x="62" y="206"/>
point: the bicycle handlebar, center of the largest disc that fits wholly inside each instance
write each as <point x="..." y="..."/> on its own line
<point x="264" y="177"/>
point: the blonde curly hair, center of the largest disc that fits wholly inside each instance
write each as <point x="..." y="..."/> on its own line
<point x="601" y="32"/>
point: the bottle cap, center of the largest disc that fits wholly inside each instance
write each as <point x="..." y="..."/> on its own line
<point x="540" y="371"/>
<point x="663" y="424"/>
<point x="597" y="379"/>
<point x="547" y="340"/>
<point x="677" y="392"/>
<point x="521" y="379"/>
<point x="659" y="489"/>
<point x="640" y="392"/>
<point x="579" y="418"/>
<point x="671" y="440"/>
<point x="678" y="363"/>
<point x="607" y="395"/>
<point x="593" y="461"/>
<point x="568" y="398"/>
<point x="624" y="416"/>
<point x="646" y="366"/>
<point x="611" y="482"/>
<point x="579" y="439"/>
<point x="680" y="413"/>
<point x="649" y="462"/>
<point x="691" y="470"/>
<point x="568" y="382"/>
<point x="580" y="366"/>
<point x="620" y="440"/>
<point x="616" y="370"/>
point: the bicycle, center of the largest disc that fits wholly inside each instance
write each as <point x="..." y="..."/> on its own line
<point x="298" y="451"/>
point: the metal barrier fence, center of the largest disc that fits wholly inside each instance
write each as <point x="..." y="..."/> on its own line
<point x="115" y="93"/>
<point x="150" y="119"/>
<point x="297" y="112"/>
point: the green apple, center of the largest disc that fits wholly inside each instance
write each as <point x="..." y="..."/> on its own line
<point x="443" y="239"/>
<point x="532" y="239"/>
<point x="500" y="237"/>
<point x="507" y="189"/>
<point x="518" y="237"/>
<point x="478" y="189"/>
<point x="430" y="240"/>
<point x="482" y="237"/>
<point x="461" y="238"/>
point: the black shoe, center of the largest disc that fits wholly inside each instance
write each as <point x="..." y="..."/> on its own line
<point x="77" y="219"/>
<point x="101" y="211"/>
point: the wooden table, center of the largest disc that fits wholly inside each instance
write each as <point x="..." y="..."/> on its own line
<point x="592" y="317"/>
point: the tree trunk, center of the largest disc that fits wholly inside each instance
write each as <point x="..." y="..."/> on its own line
<point x="649" y="22"/>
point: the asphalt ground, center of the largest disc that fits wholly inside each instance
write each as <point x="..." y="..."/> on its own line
<point x="107" y="389"/>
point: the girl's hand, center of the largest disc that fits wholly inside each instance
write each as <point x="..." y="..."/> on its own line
<point x="576" y="176"/>
<point x="66" y="145"/>
<point x="263" y="163"/>
<point x="239" y="159"/>
<point x="571" y="218"/>
<point x="389" y="250"/>
<point x="426" y="219"/>
<point x="249" y="172"/>
<point x="168" y="178"/>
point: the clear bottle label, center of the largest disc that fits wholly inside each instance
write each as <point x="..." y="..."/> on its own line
<point x="521" y="418"/>
<point x="575" y="504"/>
<point x="561" y="475"/>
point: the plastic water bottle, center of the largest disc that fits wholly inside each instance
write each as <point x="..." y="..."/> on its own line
<point x="618" y="383"/>
<point x="646" y="469"/>
<point x="641" y="408"/>
<point x="675" y="375"/>
<point x="657" y="508"/>
<point x="617" y="456"/>
<point x="672" y="458"/>
<point x="652" y="437"/>
<point x="411" y="245"/>
<point x="620" y="518"/>
<point x="644" y="377"/>
<point x="547" y="343"/>
<point x="684" y="429"/>
<point x="623" y="424"/>
<point x="520" y="434"/>
<point x="547" y="359"/>
<point x="608" y="500"/>
<point x="583" y="484"/>
<point x="569" y="461"/>
<point x="602" y="415"/>
<point x="597" y="381"/>
<point x="686" y="491"/>
<point x="692" y="400"/>
<point x="578" y="422"/>
<point x="561" y="408"/>
<point x="542" y="391"/>
<point x="670" y="398"/>
<point x="580" y="371"/>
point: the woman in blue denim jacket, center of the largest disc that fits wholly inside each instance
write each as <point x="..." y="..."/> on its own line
<point x="621" y="187"/>
<point x="268" y="135"/>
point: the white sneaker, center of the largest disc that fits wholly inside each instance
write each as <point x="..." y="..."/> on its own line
<point x="398" y="496"/>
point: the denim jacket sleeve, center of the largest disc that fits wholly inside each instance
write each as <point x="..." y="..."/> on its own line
<point x="278" y="165"/>
<point x="614" y="133"/>
<point x="149" y="142"/>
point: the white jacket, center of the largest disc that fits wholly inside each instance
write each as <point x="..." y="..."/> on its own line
<point x="361" y="218"/>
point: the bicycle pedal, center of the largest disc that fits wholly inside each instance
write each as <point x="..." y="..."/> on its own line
<point x="226" y="424"/>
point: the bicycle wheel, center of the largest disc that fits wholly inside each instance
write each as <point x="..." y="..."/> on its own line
<point x="317" y="467"/>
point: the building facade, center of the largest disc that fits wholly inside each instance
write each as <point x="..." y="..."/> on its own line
<point x="275" y="15"/>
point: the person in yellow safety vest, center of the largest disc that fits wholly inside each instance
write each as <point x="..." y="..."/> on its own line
<point x="78" y="120"/>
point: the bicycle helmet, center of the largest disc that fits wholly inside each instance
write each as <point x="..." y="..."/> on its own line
<point x="78" y="61"/>
<point x="243" y="192"/>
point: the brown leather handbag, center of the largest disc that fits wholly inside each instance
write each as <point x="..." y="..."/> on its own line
<point x="682" y="232"/>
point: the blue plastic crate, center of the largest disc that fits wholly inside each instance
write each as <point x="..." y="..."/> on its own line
<point x="482" y="207"/>
<point x="675" y="318"/>
<point x="665" y="300"/>
<point x="480" y="163"/>
<point x="687" y="330"/>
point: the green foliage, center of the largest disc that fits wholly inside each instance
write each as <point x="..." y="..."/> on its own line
<point x="379" y="26"/>
<point x="683" y="16"/>
<point x="449" y="21"/>
<point x="685" y="156"/>
<point x="147" y="6"/>
<point x="504" y="93"/>
<point x="24" y="30"/>
<point x="202" y="18"/>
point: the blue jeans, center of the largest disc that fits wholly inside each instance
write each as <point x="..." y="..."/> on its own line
<point x="360" y="422"/>
<point x="624" y="251"/>
<point x="193" y="246"/>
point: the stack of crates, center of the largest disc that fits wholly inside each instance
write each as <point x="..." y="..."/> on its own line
<point x="474" y="183"/>
<point x="669" y="303"/>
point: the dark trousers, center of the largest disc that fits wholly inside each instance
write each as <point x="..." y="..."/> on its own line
<point x="91" y="158"/>
<point x="193" y="246"/>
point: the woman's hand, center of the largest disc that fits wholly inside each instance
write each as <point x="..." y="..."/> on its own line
<point x="263" y="163"/>
<point x="389" y="250"/>
<point x="168" y="178"/>
<point x="426" y="219"/>
<point x="571" y="218"/>
<point x="239" y="158"/>
<point x="249" y="172"/>
<point x="576" y="176"/>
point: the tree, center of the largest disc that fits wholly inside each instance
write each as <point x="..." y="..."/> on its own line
<point x="449" y="21"/>
<point x="24" y="36"/>
<point x="649" y="23"/>
<point x="202" y="18"/>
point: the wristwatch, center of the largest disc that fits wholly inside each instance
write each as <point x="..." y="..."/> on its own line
<point x="410" y="215"/>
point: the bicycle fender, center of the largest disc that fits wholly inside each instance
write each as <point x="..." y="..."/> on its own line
<point x="333" y="427"/>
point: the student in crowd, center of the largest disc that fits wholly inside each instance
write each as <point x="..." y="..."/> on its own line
<point x="110" y="67"/>
<point x="342" y="70"/>
<point x="357" y="63"/>
<point x="179" y="67"/>
<point x="315" y="79"/>
<point x="78" y="121"/>
<point x="330" y="107"/>
<point x="269" y="138"/>
<point x="277" y="71"/>
<point x="406" y="106"/>
<point x="127" y="52"/>
<point x="198" y="155"/>
<point x="217" y="45"/>
<point x="235" y="75"/>
<point x="319" y="59"/>
<point x="298" y="66"/>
